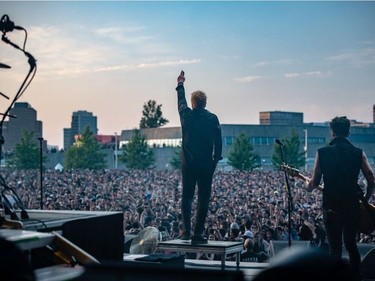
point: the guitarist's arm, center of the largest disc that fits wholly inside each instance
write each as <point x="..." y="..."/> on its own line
<point x="369" y="175"/>
<point x="316" y="176"/>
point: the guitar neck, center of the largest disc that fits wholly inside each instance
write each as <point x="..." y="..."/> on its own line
<point x="306" y="179"/>
<point x="296" y="173"/>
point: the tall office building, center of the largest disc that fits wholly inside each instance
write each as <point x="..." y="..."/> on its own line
<point x="80" y="120"/>
<point x="25" y="118"/>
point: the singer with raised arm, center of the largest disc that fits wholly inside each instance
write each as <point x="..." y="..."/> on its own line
<point x="201" y="152"/>
<point x="340" y="164"/>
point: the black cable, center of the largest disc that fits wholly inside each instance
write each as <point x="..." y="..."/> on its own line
<point x="33" y="68"/>
<point x="40" y="221"/>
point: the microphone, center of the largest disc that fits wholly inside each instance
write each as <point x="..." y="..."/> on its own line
<point x="6" y="25"/>
<point x="279" y="142"/>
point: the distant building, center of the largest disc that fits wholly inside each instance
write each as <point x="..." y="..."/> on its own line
<point x="25" y="119"/>
<point x="109" y="141"/>
<point x="280" y="118"/>
<point x="80" y="120"/>
<point x="166" y="140"/>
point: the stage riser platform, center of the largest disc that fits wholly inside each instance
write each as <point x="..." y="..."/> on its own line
<point x="222" y="248"/>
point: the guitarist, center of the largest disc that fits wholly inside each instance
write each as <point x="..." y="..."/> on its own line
<point x="340" y="164"/>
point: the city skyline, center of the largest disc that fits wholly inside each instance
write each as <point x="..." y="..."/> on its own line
<point x="110" y="58"/>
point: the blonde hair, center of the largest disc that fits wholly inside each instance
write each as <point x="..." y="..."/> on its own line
<point x="198" y="99"/>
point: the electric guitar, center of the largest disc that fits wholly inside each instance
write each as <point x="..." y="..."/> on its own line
<point x="367" y="211"/>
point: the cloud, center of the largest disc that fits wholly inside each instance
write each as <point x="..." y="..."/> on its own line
<point x="267" y="63"/>
<point x="228" y="57"/>
<point x="292" y="75"/>
<point x="123" y="35"/>
<point x="356" y="57"/>
<point x="147" y="65"/>
<point x="60" y="54"/>
<point x="124" y="67"/>
<point x="316" y="73"/>
<point x="248" y="79"/>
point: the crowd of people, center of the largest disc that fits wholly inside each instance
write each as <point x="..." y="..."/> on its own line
<point x="245" y="206"/>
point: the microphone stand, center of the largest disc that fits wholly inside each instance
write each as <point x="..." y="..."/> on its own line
<point x="290" y="198"/>
<point x="41" y="170"/>
<point x="9" y="195"/>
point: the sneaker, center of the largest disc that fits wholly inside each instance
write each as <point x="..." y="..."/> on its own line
<point x="198" y="239"/>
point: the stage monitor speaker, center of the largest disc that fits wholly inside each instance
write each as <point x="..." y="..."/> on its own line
<point x="364" y="248"/>
<point x="278" y="246"/>
<point x="117" y="271"/>
<point x="14" y="263"/>
<point x="368" y="265"/>
<point x="100" y="236"/>
<point x="307" y="264"/>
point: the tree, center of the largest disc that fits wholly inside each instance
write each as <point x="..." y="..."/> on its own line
<point x="26" y="153"/>
<point x="176" y="160"/>
<point x="137" y="154"/>
<point x="152" y="116"/>
<point x="293" y="155"/>
<point x="242" y="156"/>
<point x="85" y="153"/>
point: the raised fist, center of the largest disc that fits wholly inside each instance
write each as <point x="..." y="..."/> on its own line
<point x="181" y="77"/>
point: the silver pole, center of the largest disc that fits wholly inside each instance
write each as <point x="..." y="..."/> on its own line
<point x="115" y="150"/>
<point x="305" y="149"/>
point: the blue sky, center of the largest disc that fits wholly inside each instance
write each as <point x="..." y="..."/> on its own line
<point x="111" y="57"/>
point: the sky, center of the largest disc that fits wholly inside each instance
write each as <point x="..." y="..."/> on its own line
<point x="110" y="58"/>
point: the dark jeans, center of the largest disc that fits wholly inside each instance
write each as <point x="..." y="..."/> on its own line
<point x="193" y="176"/>
<point x="339" y="227"/>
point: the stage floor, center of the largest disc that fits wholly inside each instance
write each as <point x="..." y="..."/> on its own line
<point x="249" y="269"/>
<point x="60" y="273"/>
